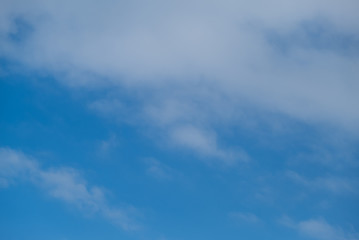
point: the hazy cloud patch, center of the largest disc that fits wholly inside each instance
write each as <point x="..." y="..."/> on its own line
<point x="334" y="184"/>
<point x="65" y="184"/>
<point x="318" y="229"/>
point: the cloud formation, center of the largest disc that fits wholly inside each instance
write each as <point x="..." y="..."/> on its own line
<point x="159" y="170"/>
<point x="337" y="185"/>
<point x="65" y="184"/>
<point x="319" y="229"/>
<point x="298" y="60"/>
<point x="246" y="217"/>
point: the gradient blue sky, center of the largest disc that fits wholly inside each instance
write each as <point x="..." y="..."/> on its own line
<point x="179" y="120"/>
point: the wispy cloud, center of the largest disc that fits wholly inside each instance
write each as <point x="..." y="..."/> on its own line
<point x="107" y="146"/>
<point x="159" y="170"/>
<point x="318" y="229"/>
<point x="180" y="124"/>
<point x="65" y="184"/>
<point x="237" y="52"/>
<point x="246" y="217"/>
<point x="332" y="184"/>
<point x="190" y="71"/>
<point x="205" y="143"/>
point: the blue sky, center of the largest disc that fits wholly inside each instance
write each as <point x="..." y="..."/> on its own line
<point x="179" y="120"/>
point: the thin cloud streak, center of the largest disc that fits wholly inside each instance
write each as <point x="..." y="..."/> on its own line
<point x="336" y="185"/>
<point x="318" y="229"/>
<point x="245" y="217"/>
<point x="65" y="184"/>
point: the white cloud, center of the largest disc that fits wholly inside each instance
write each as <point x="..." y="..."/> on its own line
<point x="318" y="229"/>
<point x="205" y="143"/>
<point x="15" y="166"/>
<point x="107" y="146"/>
<point x="337" y="155"/>
<point x="223" y="41"/>
<point x="65" y="184"/>
<point x="246" y="217"/>
<point x="213" y="60"/>
<point x="332" y="184"/>
<point x="159" y="170"/>
<point x="107" y="107"/>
